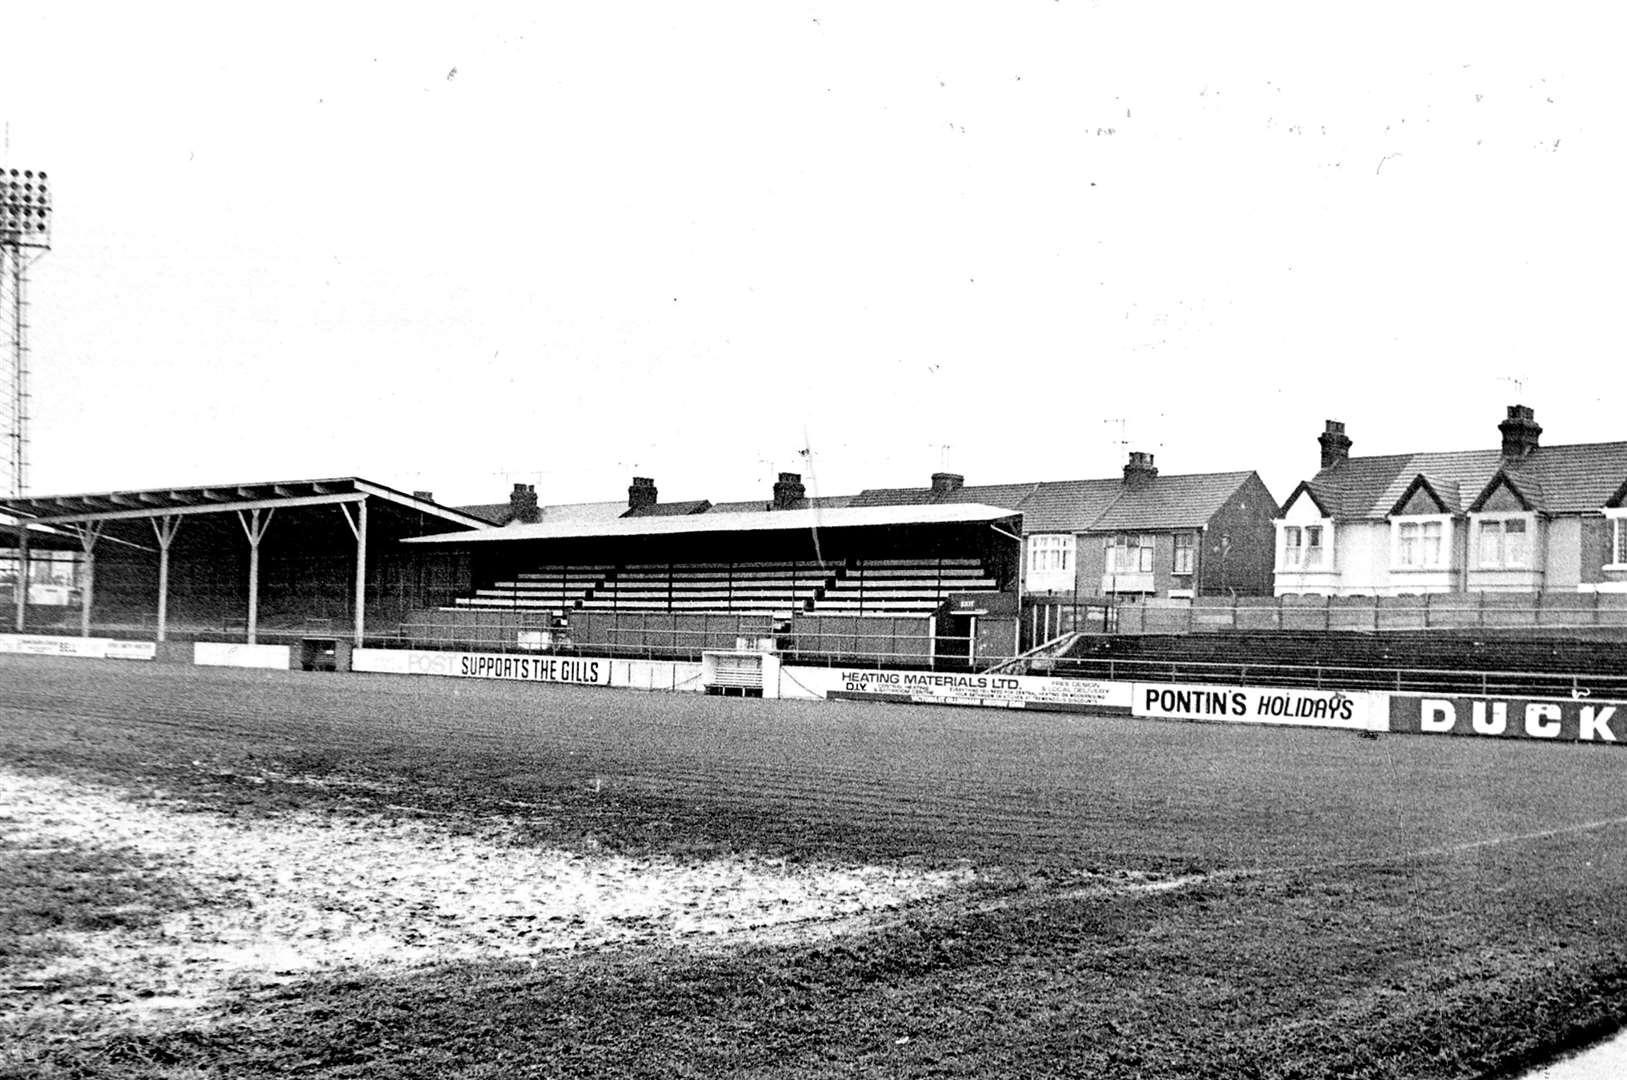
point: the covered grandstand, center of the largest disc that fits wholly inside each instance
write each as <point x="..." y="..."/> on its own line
<point x="346" y="560"/>
<point x="254" y="562"/>
<point x="906" y="585"/>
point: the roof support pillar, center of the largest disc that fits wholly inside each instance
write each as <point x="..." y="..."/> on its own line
<point x="89" y="533"/>
<point x="21" y="588"/>
<point x="358" y="529"/>
<point x="254" y="527"/>
<point x="165" y="529"/>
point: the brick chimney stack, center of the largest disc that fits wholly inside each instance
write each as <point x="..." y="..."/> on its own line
<point x="943" y="483"/>
<point x="1335" y="444"/>
<point x="522" y="504"/>
<point x="642" y="493"/>
<point x="788" y="491"/>
<point x="1520" y="432"/>
<point x="1140" y="471"/>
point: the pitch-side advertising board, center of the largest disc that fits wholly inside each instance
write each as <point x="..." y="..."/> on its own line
<point x="1557" y="720"/>
<point x="543" y="669"/>
<point x="1256" y="705"/>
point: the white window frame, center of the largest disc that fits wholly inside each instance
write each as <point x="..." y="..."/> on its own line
<point x="1616" y="557"/>
<point x="1143" y="544"/>
<point x="1477" y="540"/>
<point x="1050" y="553"/>
<point x="1413" y="530"/>
<point x="1191" y="551"/>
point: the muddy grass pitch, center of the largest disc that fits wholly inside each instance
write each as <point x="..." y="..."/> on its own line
<point x="251" y="873"/>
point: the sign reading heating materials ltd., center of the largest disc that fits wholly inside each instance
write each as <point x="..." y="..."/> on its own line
<point x="1511" y="718"/>
<point x="1253" y="705"/>
<point x="997" y="691"/>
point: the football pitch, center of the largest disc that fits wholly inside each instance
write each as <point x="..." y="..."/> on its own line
<point x="254" y="873"/>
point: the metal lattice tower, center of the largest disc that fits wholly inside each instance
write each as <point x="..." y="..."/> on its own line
<point x="25" y="231"/>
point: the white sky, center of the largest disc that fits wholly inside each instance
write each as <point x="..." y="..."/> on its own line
<point x="565" y="243"/>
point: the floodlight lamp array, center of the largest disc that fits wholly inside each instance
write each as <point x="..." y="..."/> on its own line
<point x="25" y="208"/>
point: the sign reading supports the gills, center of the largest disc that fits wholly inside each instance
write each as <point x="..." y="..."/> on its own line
<point x="1251" y="705"/>
<point x="1511" y="718"/>
<point x="560" y="669"/>
<point x="999" y="691"/>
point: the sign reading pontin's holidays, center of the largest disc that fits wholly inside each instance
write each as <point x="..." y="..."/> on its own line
<point x="1511" y="718"/>
<point x="546" y="669"/>
<point x="997" y="691"/>
<point x="1252" y="705"/>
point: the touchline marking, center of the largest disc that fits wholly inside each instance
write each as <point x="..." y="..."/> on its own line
<point x="1153" y="886"/>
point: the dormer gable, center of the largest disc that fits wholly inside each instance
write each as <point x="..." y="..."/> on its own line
<point x="1506" y="493"/>
<point x="1619" y="499"/>
<point x="1423" y="497"/>
<point x="1312" y="506"/>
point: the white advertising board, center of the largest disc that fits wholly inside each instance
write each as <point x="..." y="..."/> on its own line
<point x="591" y="671"/>
<point x="45" y="645"/>
<point x="938" y="688"/>
<point x="1258" y="705"/>
<point x="230" y="654"/>
<point x="132" y="650"/>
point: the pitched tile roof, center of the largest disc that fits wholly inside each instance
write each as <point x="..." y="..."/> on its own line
<point x="669" y="509"/>
<point x="1172" y="502"/>
<point x="1566" y="479"/>
<point x="496" y="513"/>
<point x="1102" y="505"/>
<point x="821" y="502"/>
<point x="560" y="513"/>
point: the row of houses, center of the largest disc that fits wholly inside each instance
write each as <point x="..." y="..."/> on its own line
<point x="1520" y="517"/>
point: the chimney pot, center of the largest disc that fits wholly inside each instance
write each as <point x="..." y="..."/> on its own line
<point x="788" y="491"/>
<point x="1521" y="432"/>
<point x="943" y="483"/>
<point x="1335" y="444"/>
<point x="1140" y="471"/>
<point x="641" y="493"/>
<point x="522" y="504"/>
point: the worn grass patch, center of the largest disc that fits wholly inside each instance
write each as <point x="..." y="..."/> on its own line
<point x="46" y="892"/>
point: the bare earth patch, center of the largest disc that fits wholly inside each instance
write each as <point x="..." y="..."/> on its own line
<point x="307" y="893"/>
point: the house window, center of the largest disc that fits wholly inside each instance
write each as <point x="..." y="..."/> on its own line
<point x="1130" y="553"/>
<point x="1503" y="543"/>
<point x="1183" y="553"/>
<point x="1419" y="543"/>
<point x="1302" y="546"/>
<point x="1050" y="553"/>
<point x="1618" y="542"/>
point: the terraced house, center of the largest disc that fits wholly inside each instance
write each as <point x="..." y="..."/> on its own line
<point x="1524" y="518"/>
<point x="1138" y="536"/>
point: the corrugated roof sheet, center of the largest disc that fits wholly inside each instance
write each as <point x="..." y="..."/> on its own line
<point x="1570" y="479"/>
<point x="777" y="521"/>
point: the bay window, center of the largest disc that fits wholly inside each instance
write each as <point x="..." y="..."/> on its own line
<point x="1503" y="543"/>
